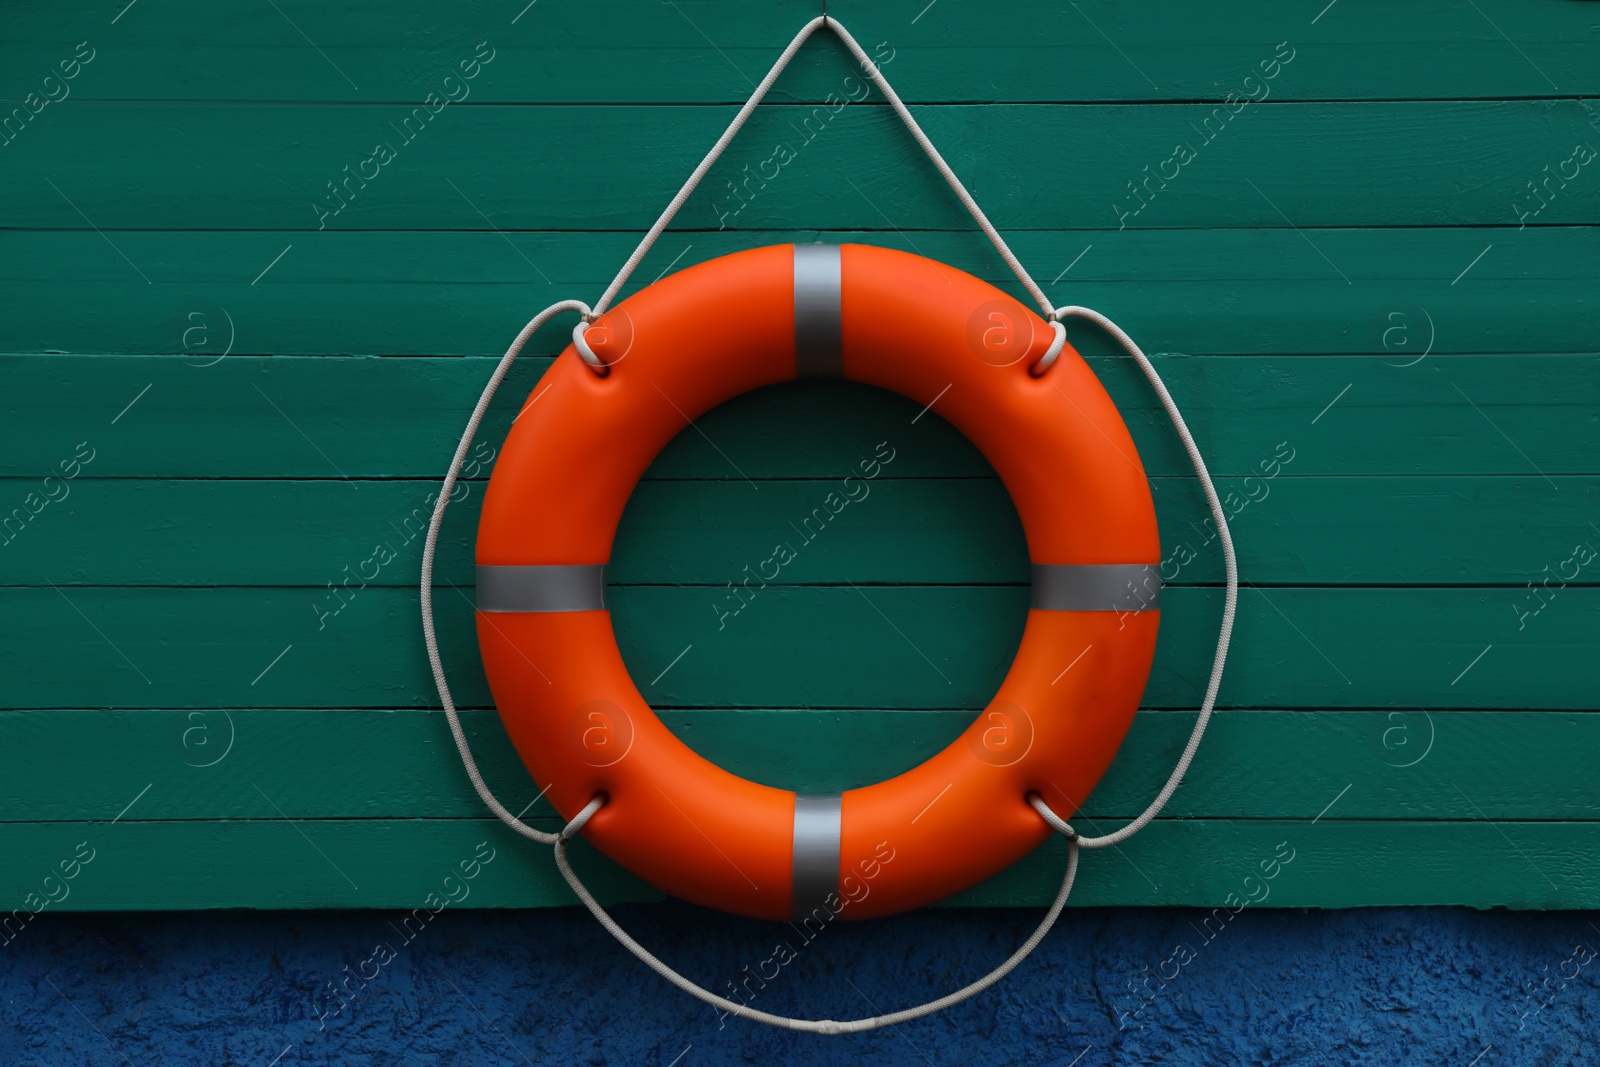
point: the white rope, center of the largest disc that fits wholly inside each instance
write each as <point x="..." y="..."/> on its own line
<point x="431" y="545"/>
<point x="750" y="105"/>
<point x="1074" y="841"/>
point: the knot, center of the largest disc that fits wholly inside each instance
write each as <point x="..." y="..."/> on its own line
<point x="829" y="1026"/>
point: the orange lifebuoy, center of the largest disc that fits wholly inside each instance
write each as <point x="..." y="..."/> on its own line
<point x="701" y="337"/>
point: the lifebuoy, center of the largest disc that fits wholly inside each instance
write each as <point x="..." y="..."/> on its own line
<point x="703" y="336"/>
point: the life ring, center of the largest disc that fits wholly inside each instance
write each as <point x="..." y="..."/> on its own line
<point x="698" y="338"/>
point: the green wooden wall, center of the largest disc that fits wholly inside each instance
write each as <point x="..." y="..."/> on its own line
<point x="1363" y="240"/>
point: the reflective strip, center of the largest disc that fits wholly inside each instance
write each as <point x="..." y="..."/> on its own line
<point x="817" y="822"/>
<point x="818" y="321"/>
<point x="1096" y="586"/>
<point x="561" y="587"/>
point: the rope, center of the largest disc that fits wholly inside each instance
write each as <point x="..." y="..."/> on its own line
<point x="431" y="545"/>
<point x="1229" y="604"/>
<point x="1074" y="841"/>
<point x="813" y="1026"/>
<point x="900" y="109"/>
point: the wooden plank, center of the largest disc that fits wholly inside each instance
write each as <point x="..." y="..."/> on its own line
<point x="311" y="417"/>
<point x="623" y="51"/>
<point x="262" y="863"/>
<point x="1317" y="648"/>
<point x="1318" y="164"/>
<point x="380" y="863"/>
<point x="827" y="646"/>
<point x="942" y="531"/>
<point x="1336" y="864"/>
<point x="1291" y="530"/>
<point x="355" y="763"/>
<point x="201" y="294"/>
<point x="1346" y="264"/>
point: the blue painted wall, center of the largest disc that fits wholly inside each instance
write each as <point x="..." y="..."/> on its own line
<point x="1368" y="986"/>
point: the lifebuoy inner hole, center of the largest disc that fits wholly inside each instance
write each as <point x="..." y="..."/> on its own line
<point x="819" y="585"/>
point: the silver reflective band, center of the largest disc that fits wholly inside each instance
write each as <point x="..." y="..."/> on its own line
<point x="818" y="319"/>
<point x="561" y="587"/>
<point x="817" y="822"/>
<point x="1096" y="586"/>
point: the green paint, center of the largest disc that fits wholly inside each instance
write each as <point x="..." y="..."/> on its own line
<point x="354" y="763"/>
<point x="930" y="531"/>
<point x="384" y="863"/>
<point x="1007" y="52"/>
<point x="893" y="646"/>
<point x="1262" y="291"/>
<point x="401" y="418"/>
<point x="1321" y="164"/>
<point x="212" y="411"/>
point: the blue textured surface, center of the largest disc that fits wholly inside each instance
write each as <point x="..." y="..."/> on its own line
<point x="1389" y="986"/>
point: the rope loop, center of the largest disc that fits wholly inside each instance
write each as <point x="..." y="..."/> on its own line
<point x="1048" y="360"/>
<point x="874" y="72"/>
<point x="1057" y="823"/>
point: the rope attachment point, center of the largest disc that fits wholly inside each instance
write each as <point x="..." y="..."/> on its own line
<point x="600" y="367"/>
<point x="1057" y="823"/>
<point x="578" y="820"/>
<point x="1046" y="361"/>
